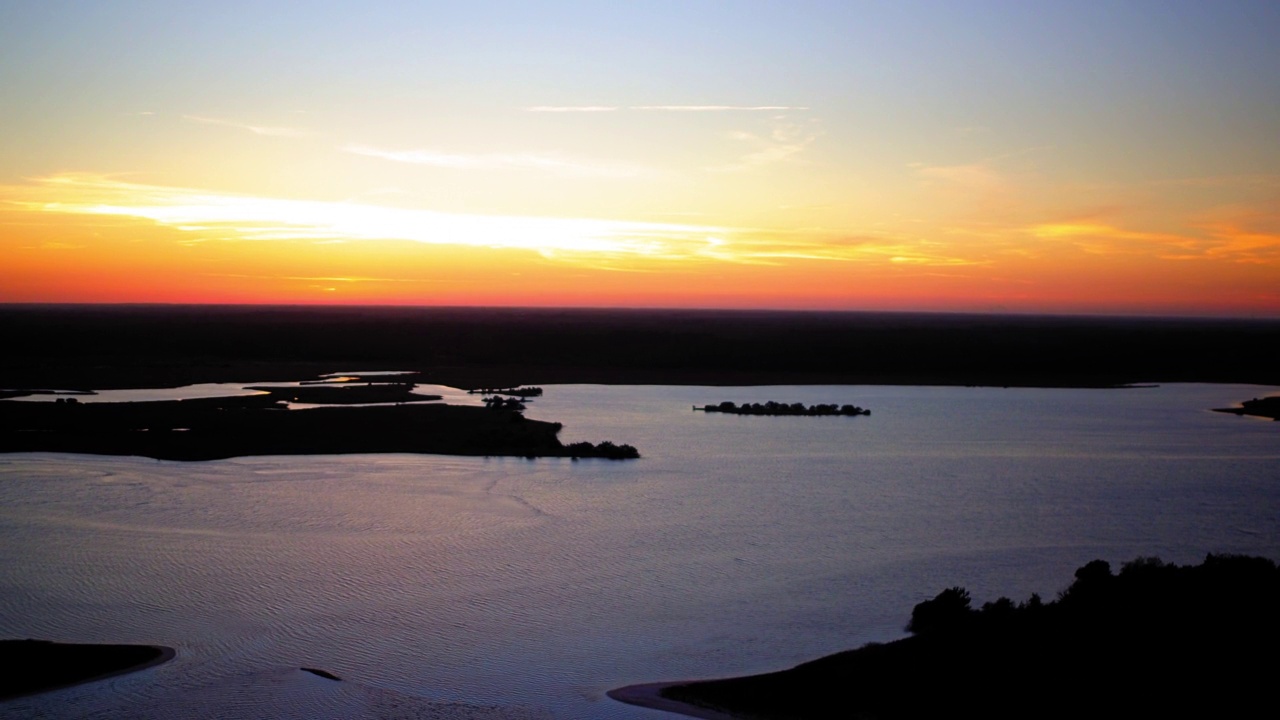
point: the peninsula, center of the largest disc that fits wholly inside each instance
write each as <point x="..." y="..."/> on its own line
<point x="1267" y="407"/>
<point x="1154" y="640"/>
<point x="225" y="427"/>
<point x="35" y="666"/>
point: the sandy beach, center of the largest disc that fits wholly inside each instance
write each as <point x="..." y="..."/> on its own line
<point x="649" y="695"/>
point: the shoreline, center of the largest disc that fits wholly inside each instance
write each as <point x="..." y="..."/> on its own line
<point x="1096" y="630"/>
<point x="80" y="663"/>
<point x="649" y="695"/>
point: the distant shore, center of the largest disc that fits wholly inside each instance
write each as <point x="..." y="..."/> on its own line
<point x="37" y="666"/>
<point x="113" y="346"/>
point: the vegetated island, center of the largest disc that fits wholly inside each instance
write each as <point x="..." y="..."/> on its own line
<point x="777" y="408"/>
<point x="1267" y="407"/>
<point x="225" y="427"/>
<point x="35" y="666"/>
<point x="518" y="391"/>
<point x="1153" y="640"/>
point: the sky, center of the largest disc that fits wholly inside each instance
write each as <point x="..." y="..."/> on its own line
<point x="1076" y="157"/>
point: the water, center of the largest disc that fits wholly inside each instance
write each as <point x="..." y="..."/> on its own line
<point x="501" y="588"/>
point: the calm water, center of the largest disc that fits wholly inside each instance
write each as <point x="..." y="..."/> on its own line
<point x="499" y="588"/>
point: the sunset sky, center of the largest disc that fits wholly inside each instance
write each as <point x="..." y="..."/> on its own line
<point x="1066" y="157"/>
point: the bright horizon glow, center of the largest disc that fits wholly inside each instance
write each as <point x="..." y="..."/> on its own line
<point x="924" y="156"/>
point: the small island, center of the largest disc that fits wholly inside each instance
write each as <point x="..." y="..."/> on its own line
<point x="35" y="666"/>
<point x="776" y="408"/>
<point x="519" y="391"/>
<point x="1154" y="640"/>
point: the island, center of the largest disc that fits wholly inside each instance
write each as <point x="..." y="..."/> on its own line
<point x="1154" y="640"/>
<point x="518" y="391"/>
<point x="35" y="666"/>
<point x="225" y="427"/>
<point x="777" y="408"/>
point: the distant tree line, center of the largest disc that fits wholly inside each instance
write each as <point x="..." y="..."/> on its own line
<point x="521" y="391"/>
<point x="776" y="408"/>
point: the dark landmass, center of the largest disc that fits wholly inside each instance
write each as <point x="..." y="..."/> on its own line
<point x="1154" y="640"/>
<point x="1267" y="407"/>
<point x="777" y="408"/>
<point x="35" y="666"/>
<point x="87" y="346"/>
<point x="217" y="428"/>
<point x="346" y="393"/>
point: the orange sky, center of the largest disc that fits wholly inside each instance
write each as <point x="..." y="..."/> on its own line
<point x="847" y="157"/>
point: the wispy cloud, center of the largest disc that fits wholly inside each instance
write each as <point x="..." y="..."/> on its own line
<point x="1227" y="240"/>
<point x="246" y="218"/>
<point x="784" y="141"/>
<point x="571" y="108"/>
<point x="211" y="216"/>
<point x="665" y="108"/>
<point x="270" y="131"/>
<point x="717" y="108"/>
<point x="497" y="161"/>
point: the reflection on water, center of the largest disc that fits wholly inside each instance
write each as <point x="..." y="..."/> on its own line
<point x="186" y="392"/>
<point x="516" y="588"/>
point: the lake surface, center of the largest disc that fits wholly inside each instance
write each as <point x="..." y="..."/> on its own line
<point x="446" y="587"/>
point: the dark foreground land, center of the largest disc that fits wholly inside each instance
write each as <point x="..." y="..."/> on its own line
<point x="163" y="346"/>
<point x="1154" y="640"/>
<point x="33" y="666"/>
<point x="216" y="428"/>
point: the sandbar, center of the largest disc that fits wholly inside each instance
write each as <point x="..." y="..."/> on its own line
<point x="649" y="695"/>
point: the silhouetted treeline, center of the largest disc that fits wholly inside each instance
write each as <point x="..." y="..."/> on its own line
<point x="1153" y="640"/>
<point x="776" y="408"/>
<point x="521" y="392"/>
<point x="111" y="346"/>
<point x="606" y="449"/>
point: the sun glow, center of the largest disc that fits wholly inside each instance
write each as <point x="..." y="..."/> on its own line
<point x="236" y="217"/>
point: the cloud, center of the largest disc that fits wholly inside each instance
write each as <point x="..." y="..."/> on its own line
<point x="212" y="216"/>
<point x="716" y="108"/>
<point x="974" y="176"/>
<point x="785" y="141"/>
<point x="663" y="108"/>
<point x="496" y="161"/>
<point x="53" y="245"/>
<point x="571" y="108"/>
<point x="255" y="129"/>
<point x="1224" y="240"/>
<point x="248" y="218"/>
